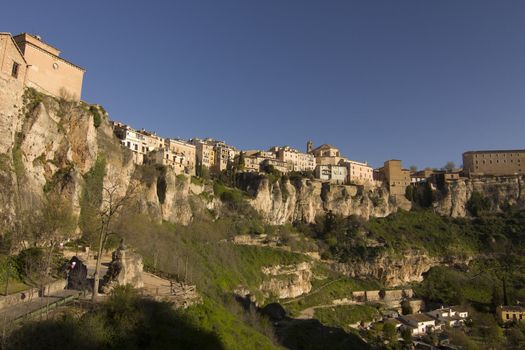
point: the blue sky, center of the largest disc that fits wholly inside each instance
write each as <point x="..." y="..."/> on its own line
<point x="420" y="81"/>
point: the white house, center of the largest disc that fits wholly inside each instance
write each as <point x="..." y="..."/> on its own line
<point x="451" y="316"/>
<point x="419" y="323"/>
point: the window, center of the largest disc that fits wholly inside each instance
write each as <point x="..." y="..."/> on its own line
<point x="15" y="69"/>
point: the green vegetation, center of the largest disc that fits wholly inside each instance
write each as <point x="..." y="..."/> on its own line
<point x="125" y="321"/>
<point x="345" y="315"/>
<point x="325" y="291"/>
<point x="426" y="231"/>
<point x="214" y="265"/>
<point x="97" y="118"/>
<point x="229" y="327"/>
<point x="90" y="200"/>
<point x="478" y="204"/>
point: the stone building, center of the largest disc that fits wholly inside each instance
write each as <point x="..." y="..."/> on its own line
<point x="326" y="154"/>
<point x="47" y="71"/>
<point x="396" y="178"/>
<point x="253" y="160"/>
<point x="205" y="152"/>
<point x="359" y="173"/>
<point x="277" y="164"/>
<point x="167" y="158"/>
<point x="332" y="173"/>
<point x="296" y="160"/>
<point x="12" y="79"/>
<point x="184" y="151"/>
<point x="13" y="64"/>
<point x="498" y="162"/>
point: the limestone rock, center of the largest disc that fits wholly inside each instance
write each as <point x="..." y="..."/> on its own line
<point x="288" y="281"/>
<point x="125" y="268"/>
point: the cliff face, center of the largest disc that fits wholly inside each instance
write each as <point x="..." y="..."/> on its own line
<point x="303" y="200"/>
<point x="500" y="191"/>
<point x="55" y="144"/>
<point x="397" y="270"/>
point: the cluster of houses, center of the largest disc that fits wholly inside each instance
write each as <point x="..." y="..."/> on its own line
<point x="433" y="321"/>
<point x="185" y="156"/>
<point x="27" y="61"/>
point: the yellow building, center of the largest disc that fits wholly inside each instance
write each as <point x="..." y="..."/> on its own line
<point x="296" y="160"/>
<point x="499" y="163"/>
<point x="396" y="178"/>
<point x="511" y="313"/>
<point x="325" y="154"/>
<point x="47" y="71"/>
<point x="358" y="173"/>
<point x="204" y="152"/>
<point x="184" y="150"/>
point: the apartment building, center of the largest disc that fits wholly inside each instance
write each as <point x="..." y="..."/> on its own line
<point x="295" y="159"/>
<point x="337" y="174"/>
<point x="358" y="173"/>
<point x="183" y="151"/>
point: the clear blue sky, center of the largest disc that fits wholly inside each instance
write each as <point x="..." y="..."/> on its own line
<point x="417" y="80"/>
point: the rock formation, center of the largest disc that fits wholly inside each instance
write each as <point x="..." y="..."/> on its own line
<point x="500" y="191"/>
<point x="125" y="268"/>
<point x="287" y="281"/>
<point x="396" y="270"/>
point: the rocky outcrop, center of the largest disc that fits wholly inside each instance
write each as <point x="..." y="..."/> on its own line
<point x="303" y="199"/>
<point x="125" y="268"/>
<point x="501" y="191"/>
<point x="287" y="281"/>
<point x="396" y="270"/>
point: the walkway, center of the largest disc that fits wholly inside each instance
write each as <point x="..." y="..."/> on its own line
<point x="37" y="305"/>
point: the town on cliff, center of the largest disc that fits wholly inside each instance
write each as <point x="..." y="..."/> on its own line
<point x="27" y="61"/>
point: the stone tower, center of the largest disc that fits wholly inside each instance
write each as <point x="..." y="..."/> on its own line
<point x="309" y="146"/>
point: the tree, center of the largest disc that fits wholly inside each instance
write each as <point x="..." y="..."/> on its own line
<point x="450" y="166"/>
<point x="113" y="202"/>
<point x="241" y="164"/>
<point x="390" y="333"/>
<point x="413" y="168"/>
<point x="57" y="222"/>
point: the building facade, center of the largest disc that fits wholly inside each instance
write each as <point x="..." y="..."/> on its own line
<point x="514" y="313"/>
<point x="48" y="72"/>
<point x="396" y="178"/>
<point x="337" y="174"/>
<point x="13" y="65"/>
<point x="358" y="173"/>
<point x="205" y="153"/>
<point x="498" y="163"/>
<point x="184" y="151"/>
<point x="326" y="154"/>
<point x="296" y="160"/>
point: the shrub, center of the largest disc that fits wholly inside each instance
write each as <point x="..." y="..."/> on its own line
<point x="477" y="204"/>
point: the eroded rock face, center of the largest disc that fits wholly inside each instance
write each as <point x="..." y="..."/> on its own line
<point x="391" y="270"/>
<point x="500" y="191"/>
<point x="125" y="268"/>
<point x="287" y="281"/>
<point x="303" y="200"/>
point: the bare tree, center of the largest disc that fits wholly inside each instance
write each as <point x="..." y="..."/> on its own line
<point x="113" y="203"/>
